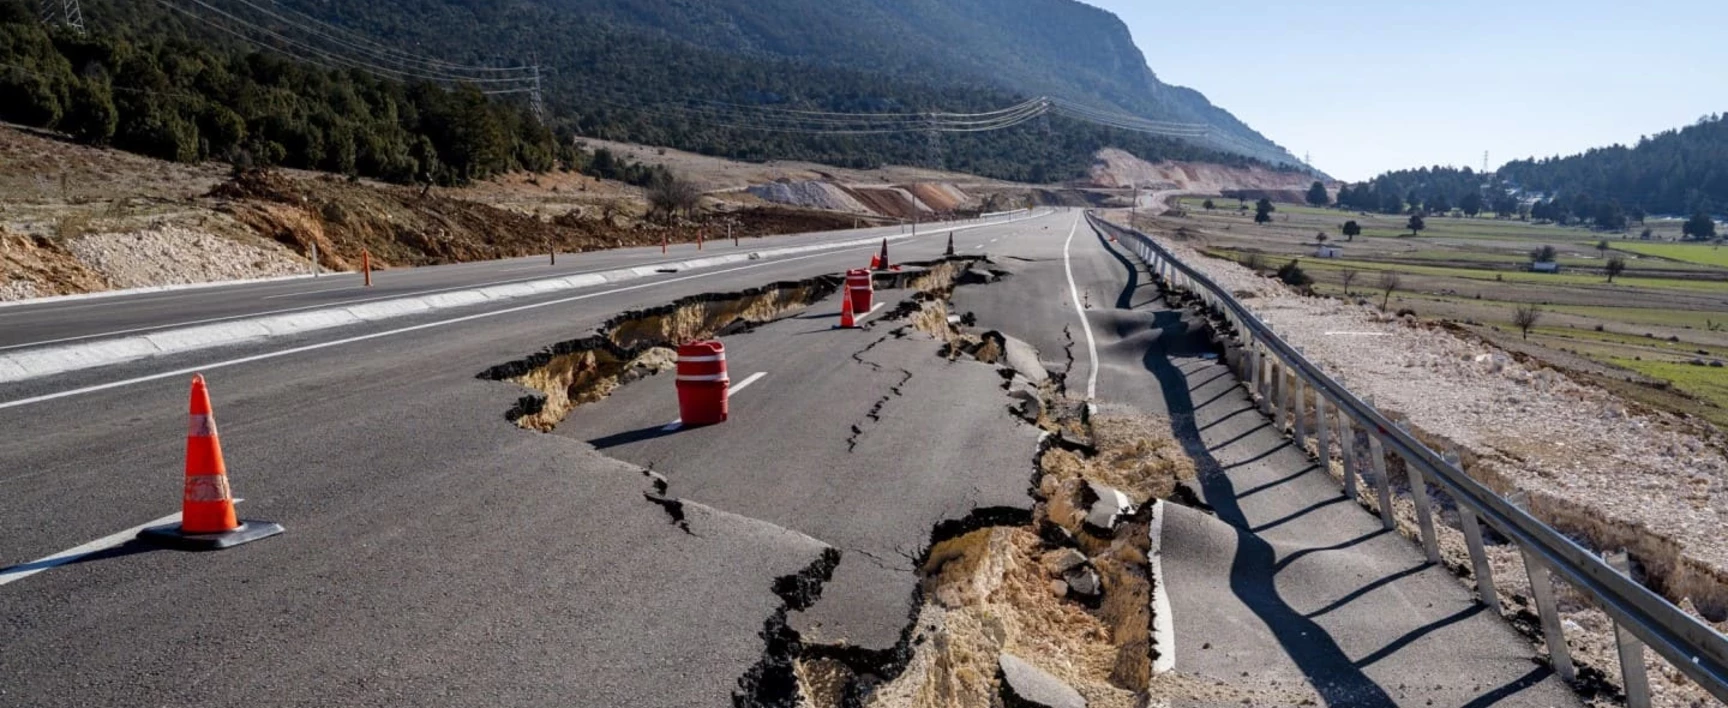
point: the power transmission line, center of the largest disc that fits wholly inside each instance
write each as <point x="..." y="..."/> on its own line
<point x="327" y="58"/>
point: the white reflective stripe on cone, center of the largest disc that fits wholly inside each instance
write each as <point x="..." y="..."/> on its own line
<point x="701" y="359"/>
<point x="201" y="426"/>
<point x="703" y="377"/>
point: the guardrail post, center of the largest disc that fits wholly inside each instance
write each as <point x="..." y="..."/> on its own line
<point x="1347" y="448"/>
<point x="1299" y="409"/>
<point x="1382" y="483"/>
<point x="1478" y="551"/>
<point x="1267" y="380"/>
<point x="1631" y="651"/>
<point x="1260" y="378"/>
<point x="1542" y="590"/>
<point x="1424" y="510"/>
<point x="1282" y="396"/>
<point x="1322" y="431"/>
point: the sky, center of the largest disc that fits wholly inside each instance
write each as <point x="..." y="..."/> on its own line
<point x="1367" y="86"/>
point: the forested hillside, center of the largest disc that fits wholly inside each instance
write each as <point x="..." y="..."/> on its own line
<point x="1676" y="172"/>
<point x="168" y="95"/>
<point x="192" y="80"/>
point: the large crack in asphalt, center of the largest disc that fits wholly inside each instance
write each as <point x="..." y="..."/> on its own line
<point x="641" y="343"/>
<point x="942" y="650"/>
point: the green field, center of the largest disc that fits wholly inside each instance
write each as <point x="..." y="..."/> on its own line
<point x="1517" y="276"/>
<point x="1710" y="384"/>
<point x="1668" y="305"/>
<point x="1702" y="254"/>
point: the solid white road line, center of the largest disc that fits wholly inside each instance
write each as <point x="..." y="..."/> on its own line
<point x="267" y="313"/>
<point x="732" y="391"/>
<point x="1163" y="625"/>
<point x="311" y="292"/>
<point x="859" y="319"/>
<point x="403" y="330"/>
<point x="25" y="570"/>
<point x="344" y="303"/>
<point x="21" y="571"/>
<point x="1085" y="325"/>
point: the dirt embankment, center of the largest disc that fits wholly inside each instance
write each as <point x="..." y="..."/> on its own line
<point x="1118" y="169"/>
<point x="405" y="226"/>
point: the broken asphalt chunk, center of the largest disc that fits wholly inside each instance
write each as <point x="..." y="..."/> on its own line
<point x="1109" y="510"/>
<point x="1025" y="685"/>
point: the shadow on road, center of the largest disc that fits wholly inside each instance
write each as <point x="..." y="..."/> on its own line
<point x="1254" y="569"/>
<point x="635" y="436"/>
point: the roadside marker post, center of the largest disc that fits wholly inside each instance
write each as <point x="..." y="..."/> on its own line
<point x="366" y="265"/>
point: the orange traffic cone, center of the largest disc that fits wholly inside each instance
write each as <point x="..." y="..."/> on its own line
<point x="848" y="319"/>
<point x="875" y="261"/>
<point x="207" y="520"/>
<point x="884" y="264"/>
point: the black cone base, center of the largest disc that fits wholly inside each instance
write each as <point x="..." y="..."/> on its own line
<point x="170" y="536"/>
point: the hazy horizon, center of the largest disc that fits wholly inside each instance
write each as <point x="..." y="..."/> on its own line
<point x="1367" y="87"/>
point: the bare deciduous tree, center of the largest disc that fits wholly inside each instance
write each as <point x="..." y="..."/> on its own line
<point x="1348" y="275"/>
<point x="1525" y="318"/>
<point x="672" y="196"/>
<point x="1389" y="282"/>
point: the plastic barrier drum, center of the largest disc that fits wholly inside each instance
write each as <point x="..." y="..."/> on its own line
<point x="702" y="383"/>
<point x="860" y="289"/>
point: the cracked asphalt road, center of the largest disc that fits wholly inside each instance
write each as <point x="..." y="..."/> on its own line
<point x="435" y="554"/>
<point x="862" y="439"/>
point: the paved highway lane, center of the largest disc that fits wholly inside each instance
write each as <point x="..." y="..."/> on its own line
<point x="862" y="438"/>
<point x="435" y="553"/>
<point x="64" y="321"/>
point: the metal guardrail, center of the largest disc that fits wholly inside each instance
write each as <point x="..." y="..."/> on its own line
<point x="1690" y="645"/>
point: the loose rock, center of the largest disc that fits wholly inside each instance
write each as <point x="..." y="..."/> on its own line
<point x="1025" y="685"/>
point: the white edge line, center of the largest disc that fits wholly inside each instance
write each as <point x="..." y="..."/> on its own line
<point x="1085" y="325"/>
<point x="324" y="273"/>
<point x="753" y="378"/>
<point x="302" y="293"/>
<point x="21" y="571"/>
<point x="829" y="247"/>
<point x="390" y="333"/>
<point x="52" y="299"/>
<point x="860" y="319"/>
<point x="1163" y="624"/>
<point x="70" y="555"/>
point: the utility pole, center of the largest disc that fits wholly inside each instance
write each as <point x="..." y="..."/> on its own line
<point x="535" y="100"/>
<point x="1484" y="162"/>
<point x="934" y="146"/>
<point x="67" y="13"/>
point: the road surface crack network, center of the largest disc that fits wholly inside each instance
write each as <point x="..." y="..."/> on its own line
<point x="897" y="390"/>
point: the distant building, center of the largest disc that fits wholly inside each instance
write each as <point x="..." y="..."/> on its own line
<point x="1545" y="267"/>
<point x="1327" y="250"/>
